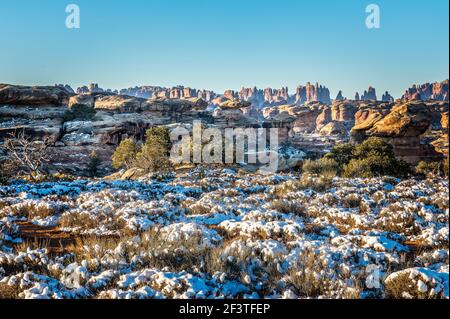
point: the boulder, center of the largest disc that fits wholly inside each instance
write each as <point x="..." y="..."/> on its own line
<point x="33" y="95"/>
<point x="235" y="104"/>
<point x="334" y="128"/>
<point x="122" y="103"/>
<point x="405" y="120"/>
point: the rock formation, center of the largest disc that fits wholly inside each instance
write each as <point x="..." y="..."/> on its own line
<point x="312" y="93"/>
<point x="438" y="91"/>
<point x="313" y="126"/>
<point x="339" y="96"/>
<point x="387" y="97"/>
<point x="369" y="95"/>
<point x="403" y="128"/>
<point x="33" y="95"/>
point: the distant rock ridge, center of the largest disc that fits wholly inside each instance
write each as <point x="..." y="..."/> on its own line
<point x="438" y="91"/>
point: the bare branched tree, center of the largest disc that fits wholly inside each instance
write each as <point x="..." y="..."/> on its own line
<point x="25" y="155"/>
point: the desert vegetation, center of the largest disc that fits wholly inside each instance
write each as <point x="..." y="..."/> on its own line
<point x="244" y="236"/>
<point x="152" y="156"/>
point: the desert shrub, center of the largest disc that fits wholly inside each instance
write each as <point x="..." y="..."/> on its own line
<point x="413" y="284"/>
<point x="374" y="166"/>
<point x="341" y="154"/>
<point x="29" y="210"/>
<point x="82" y="220"/>
<point x="25" y="155"/>
<point x="323" y="166"/>
<point x="311" y="277"/>
<point x="432" y="168"/>
<point x="373" y="146"/>
<point x="125" y="154"/>
<point x="80" y="112"/>
<point x="94" y="164"/>
<point x="351" y="201"/>
<point x="288" y="207"/>
<point x="154" y="153"/>
<point x="318" y="184"/>
<point x="374" y="157"/>
<point x="9" y="291"/>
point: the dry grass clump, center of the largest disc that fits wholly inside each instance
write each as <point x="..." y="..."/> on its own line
<point x="344" y="223"/>
<point x="79" y="220"/>
<point x="198" y="209"/>
<point x="311" y="278"/>
<point x="283" y="190"/>
<point x="226" y="259"/>
<point x="9" y="291"/>
<point x="234" y="263"/>
<point x="396" y="219"/>
<point x="148" y="250"/>
<point x="351" y="201"/>
<point x="306" y="181"/>
<point x="318" y="184"/>
<point x="406" y="285"/>
<point x="185" y="254"/>
<point x="30" y="211"/>
<point x="288" y="207"/>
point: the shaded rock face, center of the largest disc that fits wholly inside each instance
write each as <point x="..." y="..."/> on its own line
<point x="339" y="96"/>
<point x="369" y="95"/>
<point x="92" y="88"/>
<point x="438" y="91"/>
<point x="387" y="97"/>
<point x="342" y="111"/>
<point x="33" y="95"/>
<point x="306" y="120"/>
<point x="252" y="95"/>
<point x="324" y="118"/>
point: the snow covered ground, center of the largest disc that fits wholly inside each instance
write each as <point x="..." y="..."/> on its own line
<point x="226" y="234"/>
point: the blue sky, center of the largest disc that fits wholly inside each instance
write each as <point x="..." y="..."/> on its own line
<point x="220" y="44"/>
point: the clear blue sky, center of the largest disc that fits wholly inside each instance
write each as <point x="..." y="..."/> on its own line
<point x="224" y="44"/>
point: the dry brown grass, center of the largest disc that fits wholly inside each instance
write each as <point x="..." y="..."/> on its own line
<point x="403" y="287"/>
<point x="31" y="211"/>
<point x="395" y="219"/>
<point x="9" y="292"/>
<point x="80" y="220"/>
<point x="351" y="201"/>
<point x="288" y="207"/>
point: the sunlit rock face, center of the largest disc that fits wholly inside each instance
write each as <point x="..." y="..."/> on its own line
<point x="438" y="91"/>
<point x="404" y="127"/>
